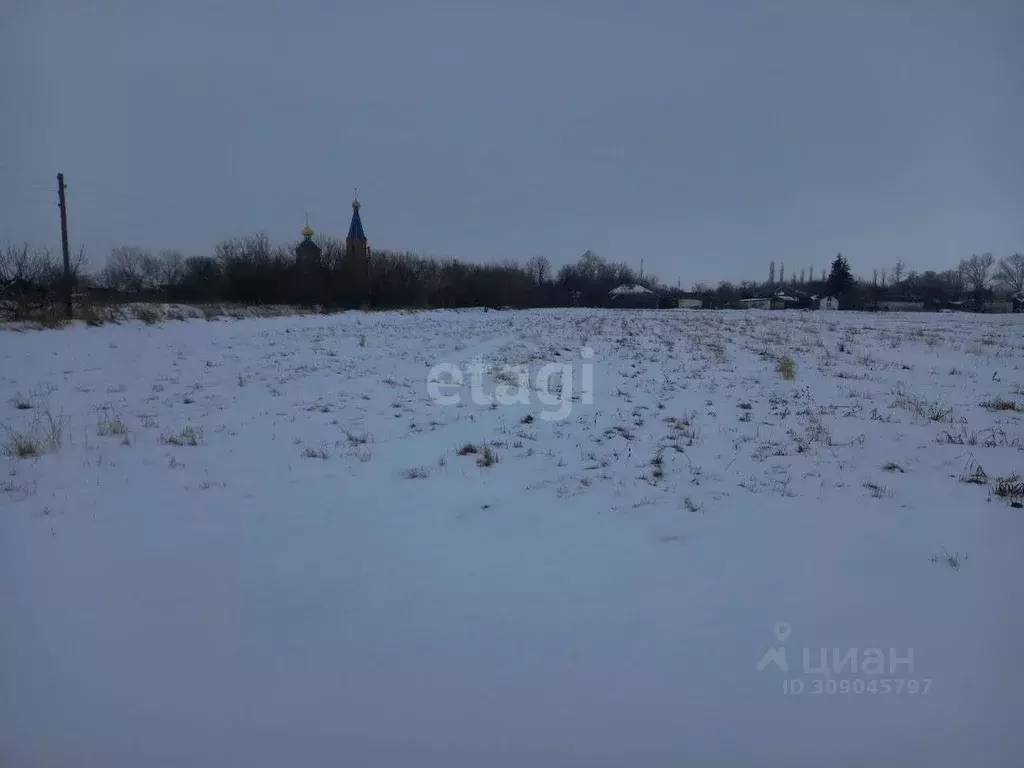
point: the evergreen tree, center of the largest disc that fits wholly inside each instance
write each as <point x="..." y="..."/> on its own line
<point x="840" y="279"/>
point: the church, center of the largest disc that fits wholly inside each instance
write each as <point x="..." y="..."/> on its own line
<point x="311" y="275"/>
<point x="356" y="244"/>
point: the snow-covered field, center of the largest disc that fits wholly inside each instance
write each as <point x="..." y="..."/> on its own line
<point x="271" y="542"/>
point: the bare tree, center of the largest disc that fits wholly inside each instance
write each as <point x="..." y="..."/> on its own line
<point x="953" y="279"/>
<point x="79" y="264"/>
<point x="539" y="269"/>
<point x="897" y="272"/>
<point x="171" y="268"/>
<point x="131" y="269"/>
<point x="29" y="279"/>
<point x="23" y="265"/>
<point x="976" y="271"/>
<point x="589" y="264"/>
<point x="18" y="265"/>
<point x="1010" y="273"/>
<point x="771" y="273"/>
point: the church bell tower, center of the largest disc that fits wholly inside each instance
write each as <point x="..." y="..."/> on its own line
<point x="355" y="243"/>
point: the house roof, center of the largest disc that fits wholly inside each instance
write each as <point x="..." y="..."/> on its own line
<point x="792" y="294"/>
<point x="629" y="290"/>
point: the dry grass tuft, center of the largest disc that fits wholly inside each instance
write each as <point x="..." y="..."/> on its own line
<point x="1001" y="404"/>
<point x="919" y="406"/>
<point x="786" y="368"/>
<point x="974" y="474"/>
<point x="488" y="457"/>
<point x="44" y="434"/>
<point x="878" y="491"/>
<point x="1011" y="487"/>
<point x="316" y="453"/>
<point x="187" y="436"/>
<point x="357" y="438"/>
<point x="954" y="560"/>
<point x="110" y="425"/>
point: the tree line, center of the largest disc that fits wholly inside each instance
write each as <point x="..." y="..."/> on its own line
<point x="252" y="270"/>
<point x="971" y="283"/>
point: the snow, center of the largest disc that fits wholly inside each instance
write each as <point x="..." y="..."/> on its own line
<point x="322" y="579"/>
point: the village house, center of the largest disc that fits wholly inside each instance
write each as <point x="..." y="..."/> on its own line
<point x="781" y="299"/>
<point x="792" y="299"/>
<point x="690" y="302"/>
<point x="999" y="305"/>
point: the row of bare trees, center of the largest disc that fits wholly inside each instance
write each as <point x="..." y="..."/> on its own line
<point x="32" y="279"/>
<point x="972" y="281"/>
<point x="981" y="272"/>
<point x="254" y="270"/>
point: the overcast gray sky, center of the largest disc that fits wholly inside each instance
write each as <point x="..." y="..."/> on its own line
<point x="705" y="137"/>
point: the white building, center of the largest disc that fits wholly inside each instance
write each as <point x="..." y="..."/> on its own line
<point x="690" y="303"/>
<point x="828" y="302"/>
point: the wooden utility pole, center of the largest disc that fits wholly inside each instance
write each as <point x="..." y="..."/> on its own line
<point x="64" y="244"/>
